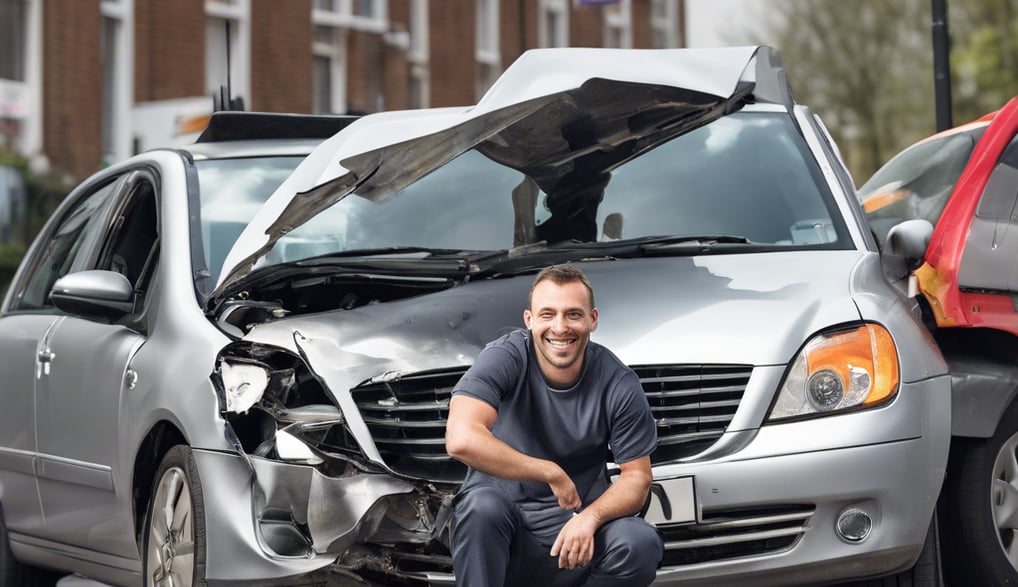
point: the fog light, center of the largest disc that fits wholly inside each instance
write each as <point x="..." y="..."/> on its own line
<point x="824" y="390"/>
<point x="854" y="525"/>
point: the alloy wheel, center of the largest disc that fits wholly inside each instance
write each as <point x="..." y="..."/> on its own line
<point x="1004" y="498"/>
<point x="171" y="532"/>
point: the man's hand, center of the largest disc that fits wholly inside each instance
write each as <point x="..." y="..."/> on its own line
<point x="574" y="545"/>
<point x="565" y="490"/>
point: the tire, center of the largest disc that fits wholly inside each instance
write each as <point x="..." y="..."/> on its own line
<point x="174" y="532"/>
<point x="981" y="484"/>
<point x="15" y="574"/>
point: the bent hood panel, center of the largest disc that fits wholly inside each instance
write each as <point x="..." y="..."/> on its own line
<point x="754" y="309"/>
<point x="616" y="98"/>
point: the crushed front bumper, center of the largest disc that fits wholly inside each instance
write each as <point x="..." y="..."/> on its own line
<point x="274" y="523"/>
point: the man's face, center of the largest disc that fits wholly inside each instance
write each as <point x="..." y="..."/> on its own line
<point x="560" y="319"/>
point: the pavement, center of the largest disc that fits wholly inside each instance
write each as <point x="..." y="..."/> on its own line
<point x="76" y="581"/>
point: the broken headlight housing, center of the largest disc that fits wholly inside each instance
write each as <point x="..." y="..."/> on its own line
<point x="277" y="407"/>
<point x="849" y="368"/>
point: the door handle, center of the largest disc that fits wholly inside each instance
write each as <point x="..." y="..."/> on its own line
<point x="131" y="378"/>
<point x="43" y="360"/>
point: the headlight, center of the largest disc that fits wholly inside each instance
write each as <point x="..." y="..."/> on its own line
<point x="243" y="385"/>
<point x="839" y="370"/>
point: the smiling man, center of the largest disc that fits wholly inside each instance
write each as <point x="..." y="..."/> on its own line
<point x="536" y="419"/>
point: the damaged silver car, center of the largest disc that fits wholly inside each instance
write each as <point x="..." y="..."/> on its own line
<point x="231" y="364"/>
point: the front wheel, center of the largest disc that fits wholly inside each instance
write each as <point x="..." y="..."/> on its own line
<point x="174" y="544"/>
<point x="979" y="507"/>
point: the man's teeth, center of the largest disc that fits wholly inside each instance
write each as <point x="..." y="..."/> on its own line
<point x="559" y="342"/>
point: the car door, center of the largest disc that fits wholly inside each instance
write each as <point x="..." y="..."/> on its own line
<point x="26" y="329"/>
<point x="80" y="416"/>
<point x="990" y="258"/>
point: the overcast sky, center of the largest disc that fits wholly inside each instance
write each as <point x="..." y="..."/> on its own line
<point x="713" y="23"/>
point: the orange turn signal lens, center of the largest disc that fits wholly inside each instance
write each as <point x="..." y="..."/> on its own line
<point x="850" y="368"/>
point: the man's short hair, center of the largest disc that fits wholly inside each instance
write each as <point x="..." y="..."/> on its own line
<point x="561" y="274"/>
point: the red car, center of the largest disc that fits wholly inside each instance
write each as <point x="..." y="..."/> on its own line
<point x="964" y="182"/>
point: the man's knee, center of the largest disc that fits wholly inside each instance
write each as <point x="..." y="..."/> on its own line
<point x="485" y="503"/>
<point x="482" y="511"/>
<point x="633" y="551"/>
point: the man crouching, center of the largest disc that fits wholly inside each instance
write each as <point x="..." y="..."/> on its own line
<point x="534" y="419"/>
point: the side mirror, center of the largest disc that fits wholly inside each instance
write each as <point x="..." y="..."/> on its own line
<point x="909" y="240"/>
<point x="95" y="294"/>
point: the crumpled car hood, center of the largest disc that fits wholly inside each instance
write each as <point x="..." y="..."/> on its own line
<point x="582" y="110"/>
<point x="751" y="309"/>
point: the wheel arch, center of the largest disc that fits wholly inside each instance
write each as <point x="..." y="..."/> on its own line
<point x="163" y="436"/>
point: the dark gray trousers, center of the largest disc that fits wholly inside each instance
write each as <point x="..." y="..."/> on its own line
<point x="491" y="547"/>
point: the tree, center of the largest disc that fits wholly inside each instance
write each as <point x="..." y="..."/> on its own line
<point x="865" y="66"/>
<point x="984" y="55"/>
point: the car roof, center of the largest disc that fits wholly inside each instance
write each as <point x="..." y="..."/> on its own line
<point x="259" y="148"/>
<point x="232" y="134"/>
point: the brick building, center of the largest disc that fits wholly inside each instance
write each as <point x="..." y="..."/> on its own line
<point x="87" y="82"/>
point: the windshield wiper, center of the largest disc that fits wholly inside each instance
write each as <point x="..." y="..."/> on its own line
<point x="330" y="258"/>
<point x="528" y="257"/>
<point x="688" y="244"/>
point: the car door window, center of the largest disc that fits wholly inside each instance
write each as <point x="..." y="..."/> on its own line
<point x="133" y="244"/>
<point x="990" y="258"/>
<point x="67" y="247"/>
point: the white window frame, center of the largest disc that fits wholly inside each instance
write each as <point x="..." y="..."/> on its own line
<point x="239" y="13"/>
<point x="121" y="11"/>
<point x="29" y="141"/>
<point x="418" y="54"/>
<point x="664" y="23"/>
<point x="335" y="52"/>
<point x="560" y="36"/>
<point x="343" y="16"/>
<point x="487" y="51"/>
<point x="618" y="24"/>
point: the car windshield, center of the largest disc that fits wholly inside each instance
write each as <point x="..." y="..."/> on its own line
<point x="231" y="191"/>
<point x="917" y="182"/>
<point x="748" y="175"/>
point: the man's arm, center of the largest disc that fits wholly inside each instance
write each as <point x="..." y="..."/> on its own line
<point x="575" y="543"/>
<point x="468" y="438"/>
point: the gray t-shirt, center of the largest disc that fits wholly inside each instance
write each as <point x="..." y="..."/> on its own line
<point x="603" y="417"/>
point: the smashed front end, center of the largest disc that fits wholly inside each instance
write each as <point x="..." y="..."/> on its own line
<point x="316" y="495"/>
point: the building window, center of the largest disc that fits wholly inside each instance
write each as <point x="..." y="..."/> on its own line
<point x="329" y="70"/>
<point x="15" y="101"/>
<point x="618" y="25"/>
<point x="228" y="31"/>
<point x="553" y="23"/>
<point x="486" y="48"/>
<point x="333" y="20"/>
<point x="13" y="39"/>
<point x="417" y="55"/>
<point x="363" y="15"/>
<point x="664" y="24"/>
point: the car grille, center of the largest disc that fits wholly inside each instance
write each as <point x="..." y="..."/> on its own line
<point x="728" y="535"/>
<point x="693" y="404"/>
